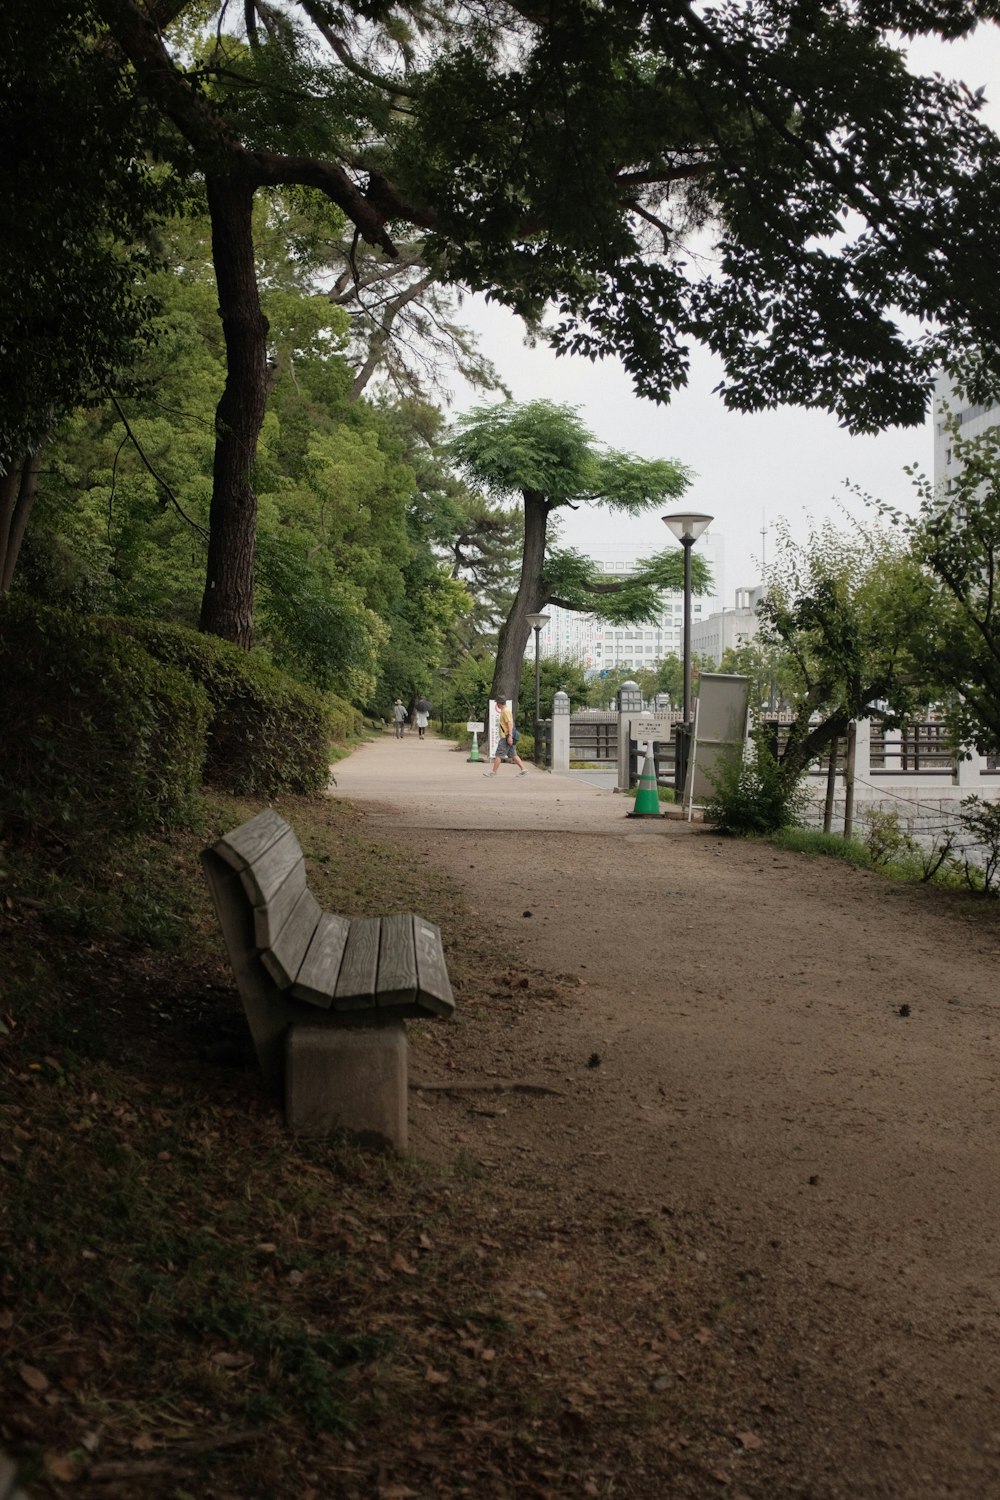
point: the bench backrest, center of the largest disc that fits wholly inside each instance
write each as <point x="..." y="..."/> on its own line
<point x="241" y="901"/>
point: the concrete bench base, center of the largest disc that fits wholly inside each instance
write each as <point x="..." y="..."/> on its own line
<point x="349" y="1078"/>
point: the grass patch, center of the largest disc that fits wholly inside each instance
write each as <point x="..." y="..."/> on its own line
<point x="814" y="841"/>
<point x="912" y="866"/>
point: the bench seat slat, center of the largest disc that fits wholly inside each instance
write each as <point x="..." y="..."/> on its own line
<point x="359" y="969"/>
<point x="432" y="972"/>
<point x="317" y="976"/>
<point x="397" y="962"/>
<point x="284" y="957"/>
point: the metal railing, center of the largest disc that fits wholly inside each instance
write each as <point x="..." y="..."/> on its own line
<point x="593" y="737"/>
<point x="914" y="749"/>
<point x="919" y="747"/>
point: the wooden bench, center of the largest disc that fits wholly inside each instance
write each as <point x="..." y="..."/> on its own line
<point x="325" y="997"/>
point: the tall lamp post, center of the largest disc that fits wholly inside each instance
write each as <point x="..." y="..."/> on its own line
<point x="536" y="622"/>
<point x="687" y="526"/>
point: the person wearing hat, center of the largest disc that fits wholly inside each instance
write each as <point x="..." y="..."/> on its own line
<point x="506" y="748"/>
<point x="399" y="717"/>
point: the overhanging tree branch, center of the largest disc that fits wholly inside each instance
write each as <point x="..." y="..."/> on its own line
<point x="162" y="484"/>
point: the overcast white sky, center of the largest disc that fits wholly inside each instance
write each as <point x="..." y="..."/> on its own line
<point x="750" y="470"/>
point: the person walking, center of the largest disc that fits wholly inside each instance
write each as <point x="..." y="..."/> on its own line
<point x="399" y="717"/>
<point x="507" y="743"/>
<point x="423" y="713"/>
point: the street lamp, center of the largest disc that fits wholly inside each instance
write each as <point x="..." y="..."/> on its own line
<point x="687" y="527"/>
<point x="536" y="622"/>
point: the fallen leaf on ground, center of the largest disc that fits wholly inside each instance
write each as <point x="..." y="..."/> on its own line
<point x="60" y="1466"/>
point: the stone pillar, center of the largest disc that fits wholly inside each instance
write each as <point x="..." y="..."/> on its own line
<point x="968" y="771"/>
<point x="629" y="703"/>
<point x="560" y="732"/>
<point x="894" y="750"/>
<point x="863" y="752"/>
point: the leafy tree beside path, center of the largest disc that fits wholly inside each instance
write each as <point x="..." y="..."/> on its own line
<point x="543" y="455"/>
<point x="565" y="158"/>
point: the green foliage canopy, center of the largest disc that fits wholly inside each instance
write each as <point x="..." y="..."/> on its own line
<point x="955" y="538"/>
<point x="81" y="206"/>
<point x="845" y="609"/>
<point x="541" y="454"/>
<point x="577" y="162"/>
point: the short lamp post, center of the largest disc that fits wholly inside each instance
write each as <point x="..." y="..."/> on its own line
<point x="687" y="527"/>
<point x="536" y="622"/>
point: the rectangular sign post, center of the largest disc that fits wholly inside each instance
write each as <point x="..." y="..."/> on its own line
<point x="650" y="728"/>
<point x="721" y="727"/>
<point x="645" y="730"/>
<point x="493" y="725"/>
<point x="475" y="729"/>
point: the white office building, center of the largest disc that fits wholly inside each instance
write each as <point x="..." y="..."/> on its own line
<point x="952" y="410"/>
<point x="727" y="628"/>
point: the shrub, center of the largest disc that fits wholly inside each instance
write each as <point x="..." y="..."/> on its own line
<point x="95" y="734"/>
<point x="268" y="734"/>
<point x="885" y="838"/>
<point x="346" y="721"/>
<point x="753" y="795"/>
<point x="980" y="821"/>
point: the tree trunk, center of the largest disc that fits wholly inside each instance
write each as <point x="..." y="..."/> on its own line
<point x="528" y="600"/>
<point x="806" y="742"/>
<point x="227" y="604"/>
<point x="18" y="489"/>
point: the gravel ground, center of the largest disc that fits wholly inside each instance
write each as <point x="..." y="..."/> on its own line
<point x="788" y="1066"/>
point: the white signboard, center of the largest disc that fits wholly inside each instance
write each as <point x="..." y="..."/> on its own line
<point x="473" y="727"/>
<point x="649" y="727"/>
<point x="721" y="726"/>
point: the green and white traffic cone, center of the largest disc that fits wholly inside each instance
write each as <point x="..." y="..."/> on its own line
<point x="474" y="753"/>
<point x="647" y="798"/>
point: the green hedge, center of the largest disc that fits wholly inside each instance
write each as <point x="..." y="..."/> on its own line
<point x="346" y="721"/>
<point x="268" y="734"/>
<point x="94" y="734"/>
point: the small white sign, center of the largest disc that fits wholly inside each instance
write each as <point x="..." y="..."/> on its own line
<point x="474" y="728"/>
<point x="649" y="727"/>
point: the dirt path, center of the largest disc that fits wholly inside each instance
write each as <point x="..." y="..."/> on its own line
<point x="789" y="1069"/>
